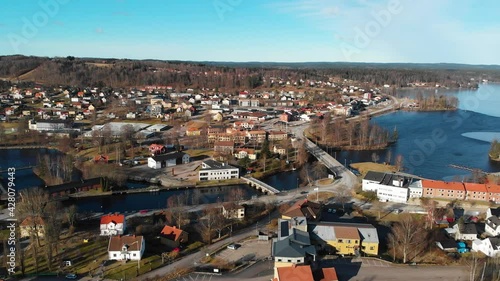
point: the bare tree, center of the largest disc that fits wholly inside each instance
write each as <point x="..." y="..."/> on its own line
<point x="407" y="236"/>
<point x="388" y="157"/>
<point x="375" y="157"/>
<point x="236" y="194"/>
<point x="176" y="204"/>
<point x="208" y="222"/>
<point x="343" y="195"/>
<point x="71" y="214"/>
<point x="319" y="170"/>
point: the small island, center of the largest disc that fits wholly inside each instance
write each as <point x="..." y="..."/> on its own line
<point x="494" y="153"/>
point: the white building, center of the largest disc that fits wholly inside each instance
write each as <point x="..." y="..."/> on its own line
<point x="123" y="248"/>
<point x="466" y="231"/>
<point x="390" y="187"/>
<point x="488" y="246"/>
<point x="168" y="160"/>
<point x="213" y="170"/>
<point x="113" y="225"/>
<point x="492" y="223"/>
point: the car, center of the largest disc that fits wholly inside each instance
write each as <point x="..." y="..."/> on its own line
<point x="333" y="211"/>
<point x="71" y="276"/>
<point x="304" y="192"/>
<point x="233" y="246"/>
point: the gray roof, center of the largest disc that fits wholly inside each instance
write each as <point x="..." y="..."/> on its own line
<point x="323" y="232"/>
<point x="469" y="228"/>
<point x="163" y="157"/>
<point x="493" y="222"/>
<point x="294" y="246"/>
<point x="374" y="176"/>
<point x="216" y="165"/>
<point x="495" y="212"/>
<point x="369" y="234"/>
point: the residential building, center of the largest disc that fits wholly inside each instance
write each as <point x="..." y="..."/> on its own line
<point x="32" y="225"/>
<point x="465" y="231"/>
<point x="493" y="192"/>
<point x="231" y="210"/>
<point x="124" y="248"/>
<point x="492" y="223"/>
<point x="241" y="153"/>
<point x="279" y="150"/>
<point x="390" y="187"/>
<point x="294" y="249"/>
<point x="304" y="273"/>
<point x="214" y="170"/>
<point x="285" y="226"/>
<point x="224" y="147"/>
<point x="277" y="136"/>
<point x="442" y="189"/>
<point x="258" y="136"/>
<point x="475" y="191"/>
<point x="304" y="208"/>
<point x="346" y="238"/>
<point x="193" y="131"/>
<point x="156" y="149"/>
<point x="168" y="160"/>
<point x="173" y="237"/>
<point x="489" y="246"/>
<point x="50" y="125"/>
<point x="113" y="225"/>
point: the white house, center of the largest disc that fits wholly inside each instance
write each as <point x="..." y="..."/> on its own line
<point x="488" y="246"/>
<point x="492" y="223"/>
<point x="231" y="210"/>
<point x="123" y="248"/>
<point x="168" y="160"/>
<point x="113" y="225"/>
<point x="213" y="170"/>
<point x="465" y="231"/>
<point x="390" y="187"/>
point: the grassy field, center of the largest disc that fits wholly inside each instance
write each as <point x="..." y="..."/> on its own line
<point x="364" y="167"/>
<point x="321" y="196"/>
<point x="200" y="152"/>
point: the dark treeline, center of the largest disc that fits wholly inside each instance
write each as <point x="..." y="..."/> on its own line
<point x="125" y="73"/>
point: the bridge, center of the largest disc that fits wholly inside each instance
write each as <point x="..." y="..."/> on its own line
<point x="264" y="187"/>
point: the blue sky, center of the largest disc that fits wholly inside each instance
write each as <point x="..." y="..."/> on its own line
<point x="458" y="31"/>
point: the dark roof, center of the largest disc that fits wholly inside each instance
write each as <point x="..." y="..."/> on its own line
<point x="283" y="230"/>
<point x="294" y="246"/>
<point x="309" y="210"/>
<point x="469" y="228"/>
<point x="374" y="176"/>
<point x="495" y="212"/>
<point x="163" y="157"/>
<point x="215" y="165"/>
<point x="448" y="244"/>
<point x="72" y="185"/>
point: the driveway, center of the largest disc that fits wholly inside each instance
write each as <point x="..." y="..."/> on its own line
<point x="249" y="250"/>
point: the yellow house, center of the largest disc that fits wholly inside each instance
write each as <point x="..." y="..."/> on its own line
<point x="346" y="241"/>
<point x="347" y="238"/>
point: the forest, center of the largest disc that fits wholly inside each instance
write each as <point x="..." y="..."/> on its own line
<point x="84" y="72"/>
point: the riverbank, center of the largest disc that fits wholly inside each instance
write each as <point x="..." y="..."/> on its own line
<point x="365" y="167"/>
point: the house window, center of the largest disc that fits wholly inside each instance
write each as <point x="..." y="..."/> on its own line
<point x="372" y="248"/>
<point x="289" y="260"/>
<point x="114" y="255"/>
<point x="279" y="259"/>
<point x="340" y="240"/>
<point x="134" y="254"/>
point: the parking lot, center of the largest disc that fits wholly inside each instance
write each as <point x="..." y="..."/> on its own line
<point x="249" y="250"/>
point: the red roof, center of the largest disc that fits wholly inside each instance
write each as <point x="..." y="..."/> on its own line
<point x="481" y="187"/>
<point x="171" y="232"/>
<point x="443" y="185"/>
<point x="112" y="218"/>
<point x="295" y="272"/>
<point x="493" y="188"/>
<point x="329" y="274"/>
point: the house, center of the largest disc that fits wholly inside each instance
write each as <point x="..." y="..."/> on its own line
<point x="231" y="210"/>
<point x="294" y="249"/>
<point x="304" y="273"/>
<point x="258" y="136"/>
<point x="346" y="238"/>
<point x="294" y="272"/>
<point x="245" y="152"/>
<point x="168" y="160"/>
<point x="224" y="147"/>
<point x="442" y="189"/>
<point x="492" y="223"/>
<point x="493" y="192"/>
<point x="279" y="150"/>
<point x="124" y="248"/>
<point x="489" y="246"/>
<point x="101" y="158"/>
<point x="390" y="187"/>
<point x="193" y="131"/>
<point x="113" y="225"/>
<point x="49" y="125"/>
<point x="31" y="225"/>
<point x="172" y="236"/>
<point x="304" y="208"/>
<point x="277" y="136"/>
<point x="465" y="231"/>
<point x="156" y="149"/>
<point x="214" y="170"/>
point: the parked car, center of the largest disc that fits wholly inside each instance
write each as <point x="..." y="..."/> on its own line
<point x="233" y="246"/>
<point x="71" y="276"/>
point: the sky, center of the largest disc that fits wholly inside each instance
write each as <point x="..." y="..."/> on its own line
<point x="424" y="31"/>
